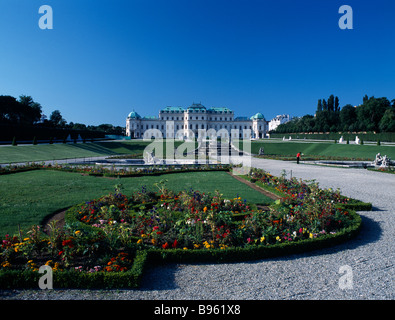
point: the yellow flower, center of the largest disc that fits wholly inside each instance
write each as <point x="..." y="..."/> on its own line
<point x="196" y="246"/>
<point x="278" y="238"/>
<point x="143" y="235"/>
<point x="153" y="241"/>
<point x="77" y="232"/>
<point x="311" y="235"/>
<point x="139" y="241"/>
<point x="48" y="262"/>
<point x="185" y="248"/>
<point x="205" y="209"/>
<point x="26" y="239"/>
<point x="262" y="238"/>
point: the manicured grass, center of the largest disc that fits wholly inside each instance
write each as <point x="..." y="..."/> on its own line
<point x="24" y="153"/>
<point x="10" y="154"/>
<point x="366" y="152"/>
<point x="26" y="198"/>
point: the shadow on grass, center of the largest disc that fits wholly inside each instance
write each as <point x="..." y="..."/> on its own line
<point x="94" y="147"/>
<point x="112" y="148"/>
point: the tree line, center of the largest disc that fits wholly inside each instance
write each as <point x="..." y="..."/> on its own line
<point x="374" y="115"/>
<point x="25" y="112"/>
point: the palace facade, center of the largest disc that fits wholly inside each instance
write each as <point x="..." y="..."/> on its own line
<point x="177" y="122"/>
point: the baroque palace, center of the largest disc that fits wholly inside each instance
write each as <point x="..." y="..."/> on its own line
<point x="177" y="122"/>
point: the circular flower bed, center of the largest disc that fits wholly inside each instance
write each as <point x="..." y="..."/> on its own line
<point x="192" y="220"/>
<point x="108" y="234"/>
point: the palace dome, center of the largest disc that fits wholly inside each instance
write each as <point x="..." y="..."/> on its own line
<point x="134" y="115"/>
<point x="257" y="116"/>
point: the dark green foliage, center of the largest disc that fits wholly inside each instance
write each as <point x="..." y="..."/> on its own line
<point x="373" y="115"/>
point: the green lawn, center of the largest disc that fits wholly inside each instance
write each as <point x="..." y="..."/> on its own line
<point x="27" y="198"/>
<point x="24" y="153"/>
<point x="324" y="149"/>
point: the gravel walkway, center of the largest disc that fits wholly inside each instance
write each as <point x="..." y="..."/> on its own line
<point x="314" y="275"/>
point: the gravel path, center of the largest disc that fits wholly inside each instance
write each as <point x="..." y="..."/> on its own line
<point x="314" y="275"/>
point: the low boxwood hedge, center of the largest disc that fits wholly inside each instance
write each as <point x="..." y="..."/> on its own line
<point x="14" y="279"/>
<point x="256" y="252"/>
<point x="11" y="279"/>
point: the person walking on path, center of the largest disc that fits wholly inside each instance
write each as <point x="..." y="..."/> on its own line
<point x="298" y="158"/>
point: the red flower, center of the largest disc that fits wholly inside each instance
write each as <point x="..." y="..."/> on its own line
<point x="68" y="243"/>
<point x="165" y="246"/>
<point x="174" y="244"/>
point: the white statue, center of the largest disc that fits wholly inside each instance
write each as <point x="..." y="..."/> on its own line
<point x="385" y="162"/>
<point x="150" y="157"/>
<point x="357" y="140"/>
<point x="378" y="160"/>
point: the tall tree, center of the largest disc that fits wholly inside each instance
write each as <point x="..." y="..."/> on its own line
<point x="331" y="103"/>
<point x="337" y="108"/>
<point x="348" y="117"/>
<point x="319" y="105"/>
<point x="387" y="122"/>
<point x="370" y="113"/>
<point x="31" y="111"/>
<point x="56" y="119"/>
<point x="10" y="110"/>
<point x="324" y="105"/>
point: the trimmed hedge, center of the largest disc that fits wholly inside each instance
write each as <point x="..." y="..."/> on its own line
<point x="13" y="279"/>
<point x="256" y="252"/>
<point x="155" y="171"/>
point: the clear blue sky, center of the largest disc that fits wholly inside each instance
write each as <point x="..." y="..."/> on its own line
<point x="105" y="58"/>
